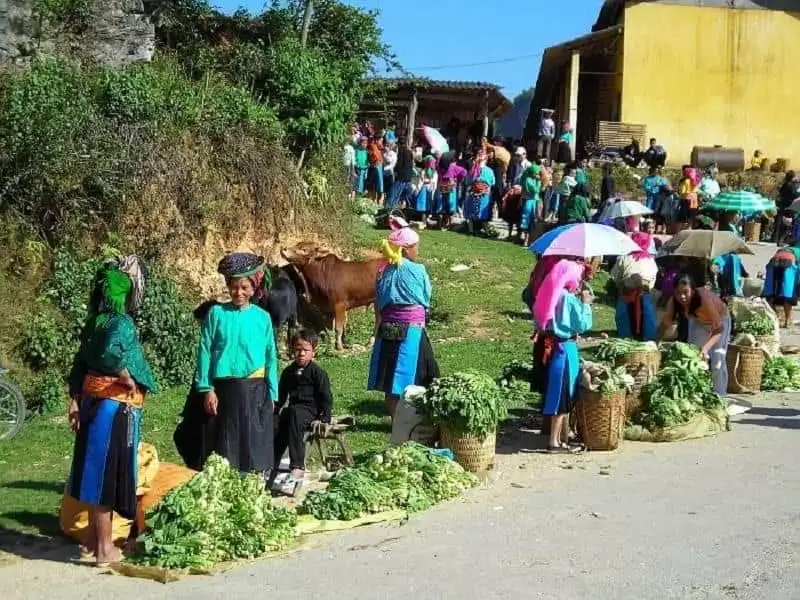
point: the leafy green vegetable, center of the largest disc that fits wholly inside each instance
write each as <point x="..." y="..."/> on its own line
<point x="467" y="403"/>
<point x="216" y="516"/>
<point x="780" y="373"/>
<point x="756" y="324"/>
<point x="410" y="477"/>
<point x="611" y="349"/>
<point x="515" y="383"/>
<point x="680" y="390"/>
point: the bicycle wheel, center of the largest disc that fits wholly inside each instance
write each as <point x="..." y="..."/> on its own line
<point x="12" y="409"/>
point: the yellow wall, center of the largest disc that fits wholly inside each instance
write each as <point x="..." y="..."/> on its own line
<point x="706" y="76"/>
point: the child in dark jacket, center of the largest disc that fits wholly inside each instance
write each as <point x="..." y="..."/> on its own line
<point x="304" y="396"/>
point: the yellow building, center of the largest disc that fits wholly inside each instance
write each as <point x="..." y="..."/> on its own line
<point x="687" y="72"/>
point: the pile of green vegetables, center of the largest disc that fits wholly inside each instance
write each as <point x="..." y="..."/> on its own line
<point x="756" y="324"/>
<point x="608" y="352"/>
<point x="409" y="477"/>
<point x="216" y="516"/>
<point x="467" y="403"/>
<point x="780" y="373"/>
<point x="604" y="378"/>
<point x="681" y="389"/>
<point x="515" y="383"/>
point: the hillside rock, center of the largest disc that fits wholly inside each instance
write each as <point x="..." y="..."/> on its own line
<point x="113" y="32"/>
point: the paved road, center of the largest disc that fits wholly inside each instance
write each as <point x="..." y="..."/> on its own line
<point x="714" y="518"/>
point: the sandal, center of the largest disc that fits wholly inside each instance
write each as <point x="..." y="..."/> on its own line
<point x="558" y="450"/>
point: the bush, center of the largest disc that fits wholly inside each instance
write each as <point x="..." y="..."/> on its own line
<point x="47" y="393"/>
<point x="45" y="345"/>
<point x="165" y="324"/>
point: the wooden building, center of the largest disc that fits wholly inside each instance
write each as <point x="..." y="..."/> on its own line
<point x="411" y="103"/>
<point x="687" y="72"/>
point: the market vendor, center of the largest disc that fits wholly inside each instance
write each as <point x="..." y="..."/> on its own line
<point x="634" y="276"/>
<point x="782" y="284"/>
<point x="402" y="355"/>
<point x="709" y="325"/>
<point x="237" y="368"/>
<point x="561" y="313"/>
<point x="109" y="380"/>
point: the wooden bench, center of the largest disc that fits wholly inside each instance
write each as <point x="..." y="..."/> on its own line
<point x="321" y="434"/>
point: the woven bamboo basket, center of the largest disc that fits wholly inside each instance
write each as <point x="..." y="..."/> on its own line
<point x="745" y="369"/>
<point x="643" y="367"/>
<point x="473" y="453"/>
<point x="752" y="231"/>
<point x="600" y="419"/>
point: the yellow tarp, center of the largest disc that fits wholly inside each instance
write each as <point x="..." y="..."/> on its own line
<point x="703" y="424"/>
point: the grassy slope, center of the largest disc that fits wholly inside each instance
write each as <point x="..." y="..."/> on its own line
<point x="479" y="323"/>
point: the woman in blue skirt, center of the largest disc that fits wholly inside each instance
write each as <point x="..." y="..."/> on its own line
<point x="782" y="285"/>
<point x="478" y="203"/>
<point x="560" y="315"/>
<point x="428" y="182"/>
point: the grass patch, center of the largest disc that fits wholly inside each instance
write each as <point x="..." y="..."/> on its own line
<point x="478" y="322"/>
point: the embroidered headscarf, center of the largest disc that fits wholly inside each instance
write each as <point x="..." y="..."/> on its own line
<point x="565" y="275"/>
<point x="135" y="269"/>
<point x="402" y="236"/>
<point x="244" y="264"/>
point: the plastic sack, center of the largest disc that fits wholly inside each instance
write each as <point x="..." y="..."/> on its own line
<point x="408" y="423"/>
<point x="742" y="309"/>
<point x="703" y="424"/>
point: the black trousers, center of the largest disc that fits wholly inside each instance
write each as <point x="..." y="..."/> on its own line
<point x="295" y="421"/>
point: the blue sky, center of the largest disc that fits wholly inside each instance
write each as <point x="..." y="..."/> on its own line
<point x="445" y="39"/>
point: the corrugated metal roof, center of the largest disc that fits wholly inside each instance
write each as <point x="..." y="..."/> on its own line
<point x="448" y="84"/>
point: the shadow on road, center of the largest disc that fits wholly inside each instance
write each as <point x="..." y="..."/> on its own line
<point x="34" y="547"/>
<point x="774" y="412"/>
<point x="771" y="422"/>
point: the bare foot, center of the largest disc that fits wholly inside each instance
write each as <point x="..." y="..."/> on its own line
<point x="115" y="555"/>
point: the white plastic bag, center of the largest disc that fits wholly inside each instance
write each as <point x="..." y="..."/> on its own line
<point x="408" y="424"/>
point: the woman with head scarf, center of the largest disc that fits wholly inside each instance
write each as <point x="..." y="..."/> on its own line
<point x="478" y="204"/>
<point x="237" y="368"/>
<point x="427" y="187"/>
<point x="402" y="355"/>
<point x="782" y="283"/>
<point x="709" y="324"/>
<point x="445" y="200"/>
<point x="531" y="210"/>
<point x="634" y="276"/>
<point x="728" y="271"/>
<point x="108" y="383"/>
<point x="561" y="313"/>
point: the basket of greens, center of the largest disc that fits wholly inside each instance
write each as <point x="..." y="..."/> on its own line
<point x="600" y="409"/>
<point x="641" y="360"/>
<point x="780" y="374"/>
<point x="467" y="407"/>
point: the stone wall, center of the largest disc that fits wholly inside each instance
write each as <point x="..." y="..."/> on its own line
<point x="116" y="32"/>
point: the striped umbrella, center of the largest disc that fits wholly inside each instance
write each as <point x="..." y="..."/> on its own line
<point x="740" y="201"/>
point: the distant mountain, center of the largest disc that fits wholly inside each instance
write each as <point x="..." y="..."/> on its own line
<point x="512" y="124"/>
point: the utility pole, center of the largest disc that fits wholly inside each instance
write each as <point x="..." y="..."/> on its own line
<point x="307" y="16"/>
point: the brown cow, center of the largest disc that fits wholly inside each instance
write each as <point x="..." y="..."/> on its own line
<point x="333" y="285"/>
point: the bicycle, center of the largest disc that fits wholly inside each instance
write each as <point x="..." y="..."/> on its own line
<point x="12" y="407"/>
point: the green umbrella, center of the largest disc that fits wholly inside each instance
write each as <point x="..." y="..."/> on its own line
<point x="740" y="201"/>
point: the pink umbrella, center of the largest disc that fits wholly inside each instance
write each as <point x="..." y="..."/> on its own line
<point x="584" y="240"/>
<point x="438" y="144"/>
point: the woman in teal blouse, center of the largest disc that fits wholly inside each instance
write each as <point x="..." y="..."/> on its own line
<point x="237" y="368"/>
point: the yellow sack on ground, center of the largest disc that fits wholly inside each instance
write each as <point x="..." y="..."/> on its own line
<point x="703" y="424"/>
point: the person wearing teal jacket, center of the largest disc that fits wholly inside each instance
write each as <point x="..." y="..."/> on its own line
<point x="531" y="184"/>
<point x="237" y="368"/>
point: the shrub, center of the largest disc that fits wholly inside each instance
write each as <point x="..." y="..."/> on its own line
<point x="45" y="344"/>
<point x="47" y="393"/>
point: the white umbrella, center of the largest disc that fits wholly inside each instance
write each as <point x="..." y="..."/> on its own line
<point x="624" y="209"/>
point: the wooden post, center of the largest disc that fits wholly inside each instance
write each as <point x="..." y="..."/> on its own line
<point x="486" y="114"/>
<point x="412" y="118"/>
<point x="574" y="74"/>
